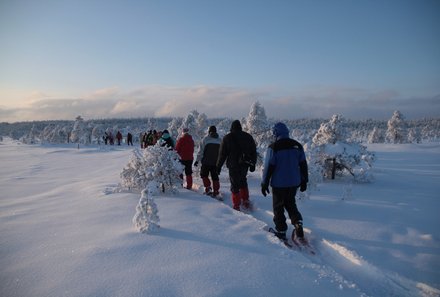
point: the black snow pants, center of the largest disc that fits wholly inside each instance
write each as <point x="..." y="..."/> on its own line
<point x="284" y="199"/>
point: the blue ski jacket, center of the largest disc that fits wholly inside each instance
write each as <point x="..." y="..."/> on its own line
<point x="285" y="163"/>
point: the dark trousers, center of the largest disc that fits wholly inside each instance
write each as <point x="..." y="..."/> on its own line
<point x="207" y="170"/>
<point x="188" y="166"/>
<point x="238" y="178"/>
<point x="284" y="199"/>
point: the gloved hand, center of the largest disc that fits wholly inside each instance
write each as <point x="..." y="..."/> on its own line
<point x="303" y="187"/>
<point x="196" y="163"/>
<point x="252" y="168"/>
<point x="264" y="189"/>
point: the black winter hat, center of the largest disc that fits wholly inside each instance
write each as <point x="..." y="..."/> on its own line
<point x="212" y="129"/>
<point x="236" y="126"/>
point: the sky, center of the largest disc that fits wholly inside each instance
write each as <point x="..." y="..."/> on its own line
<point x="299" y="59"/>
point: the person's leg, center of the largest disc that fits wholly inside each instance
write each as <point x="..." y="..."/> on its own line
<point x="235" y="179"/>
<point x="279" y="219"/>
<point x="204" y="172"/>
<point x="294" y="214"/>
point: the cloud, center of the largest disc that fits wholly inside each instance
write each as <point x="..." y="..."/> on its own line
<point x="163" y="101"/>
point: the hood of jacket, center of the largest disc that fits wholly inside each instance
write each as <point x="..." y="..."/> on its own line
<point x="280" y="130"/>
<point x="236" y="126"/>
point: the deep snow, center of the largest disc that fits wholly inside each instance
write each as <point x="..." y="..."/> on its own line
<point x="64" y="233"/>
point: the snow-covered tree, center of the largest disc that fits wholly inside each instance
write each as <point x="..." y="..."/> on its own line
<point x="155" y="163"/>
<point x="414" y="136"/>
<point x="146" y="218"/>
<point x="190" y="122"/>
<point x="257" y="125"/>
<point x="80" y="133"/>
<point x="202" y="127"/>
<point x="31" y="137"/>
<point x="396" y="132"/>
<point x="174" y="126"/>
<point x="376" y="136"/>
<point x="224" y="126"/>
<point x="97" y="133"/>
<point x="331" y="149"/>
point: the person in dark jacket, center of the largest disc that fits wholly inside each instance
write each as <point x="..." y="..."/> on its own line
<point x="167" y="140"/>
<point x="208" y="155"/>
<point x="285" y="169"/>
<point x="119" y="137"/>
<point x="129" y="139"/>
<point x="185" y="150"/>
<point x="239" y="151"/>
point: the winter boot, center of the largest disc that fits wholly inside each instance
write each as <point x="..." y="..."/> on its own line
<point x="299" y="231"/>
<point x="281" y="235"/>
<point x="236" y="201"/>
<point x="207" y="185"/>
<point x="189" y="182"/>
<point x="216" y="184"/>
<point x="244" y="195"/>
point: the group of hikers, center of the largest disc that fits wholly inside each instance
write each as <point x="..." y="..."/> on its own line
<point x="109" y="139"/>
<point x="284" y="169"/>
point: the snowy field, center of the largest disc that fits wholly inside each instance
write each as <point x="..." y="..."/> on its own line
<point x="63" y="233"/>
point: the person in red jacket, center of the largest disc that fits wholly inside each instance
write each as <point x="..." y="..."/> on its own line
<point x="185" y="149"/>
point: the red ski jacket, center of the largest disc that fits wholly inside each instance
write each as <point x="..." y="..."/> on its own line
<point x="185" y="147"/>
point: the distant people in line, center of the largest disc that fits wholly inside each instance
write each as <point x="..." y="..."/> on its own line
<point x="167" y="140"/>
<point x="129" y="139"/>
<point x="185" y="150"/>
<point x="105" y="137"/>
<point x="239" y="151"/>
<point x="150" y="138"/>
<point x="119" y="137"/>
<point x="208" y="155"/>
<point x="285" y="169"/>
<point x="110" y="138"/>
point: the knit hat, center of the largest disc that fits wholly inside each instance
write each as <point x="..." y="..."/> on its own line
<point x="236" y="126"/>
<point x="280" y="130"/>
<point x="212" y="129"/>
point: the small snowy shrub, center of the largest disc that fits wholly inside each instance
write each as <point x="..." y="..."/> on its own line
<point x="155" y="163"/>
<point x="146" y="218"/>
<point x="332" y="150"/>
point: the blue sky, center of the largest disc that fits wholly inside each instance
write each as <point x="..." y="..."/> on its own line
<point x="300" y="59"/>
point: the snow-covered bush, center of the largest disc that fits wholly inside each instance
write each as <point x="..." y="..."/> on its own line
<point x="155" y="163"/>
<point x="146" y="218"/>
<point x="335" y="154"/>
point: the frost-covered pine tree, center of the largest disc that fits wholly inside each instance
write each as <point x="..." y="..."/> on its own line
<point x="97" y="133"/>
<point x="202" y="127"/>
<point x="155" y="163"/>
<point x="174" y="125"/>
<point x="331" y="149"/>
<point x="190" y="122"/>
<point x="414" y="136"/>
<point x="80" y="133"/>
<point x="224" y="126"/>
<point x="396" y="132"/>
<point x="146" y="218"/>
<point x="376" y="136"/>
<point x="32" y="137"/>
<point x="257" y="125"/>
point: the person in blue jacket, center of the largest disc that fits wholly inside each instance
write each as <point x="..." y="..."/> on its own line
<point x="285" y="169"/>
